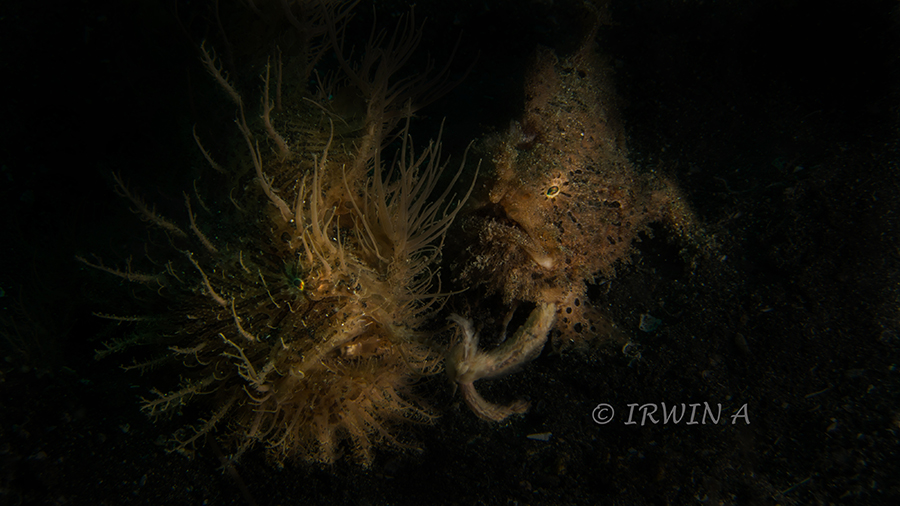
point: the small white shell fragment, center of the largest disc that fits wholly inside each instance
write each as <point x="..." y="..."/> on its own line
<point x="540" y="436"/>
